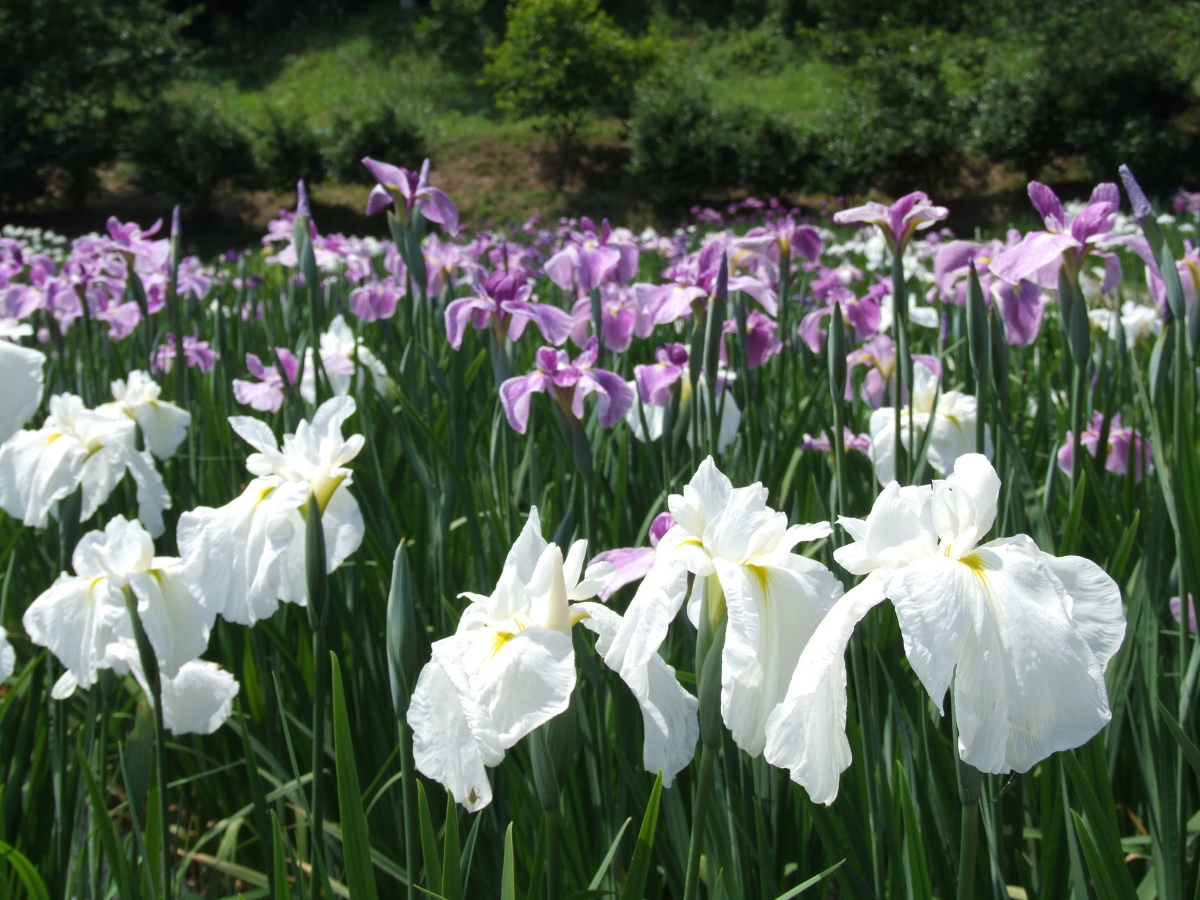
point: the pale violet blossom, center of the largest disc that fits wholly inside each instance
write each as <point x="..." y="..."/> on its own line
<point x="775" y="598"/>
<point x="81" y="616"/>
<point x="1023" y="636"/>
<point x="81" y="448"/>
<point x="242" y="559"/>
<point x="950" y="415"/>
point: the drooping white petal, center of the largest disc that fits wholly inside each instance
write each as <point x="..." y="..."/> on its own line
<point x="8" y="659"/>
<point x="521" y="679"/>
<point x="648" y="617"/>
<point x="453" y="740"/>
<point x="176" y="623"/>
<point x="773" y="611"/>
<point x="21" y="375"/>
<point x="806" y="733"/>
<point x="75" y="619"/>
<point x="669" y="713"/>
<point x="102" y="470"/>
<point x="198" y="699"/>
<point x="934" y="599"/>
<point x="343" y="525"/>
<point x="153" y="497"/>
<point x="1094" y="602"/>
<point x="1028" y="684"/>
<point x="222" y="550"/>
<point x="163" y="424"/>
<point x="37" y="469"/>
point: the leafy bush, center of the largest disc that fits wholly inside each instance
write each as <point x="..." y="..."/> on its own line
<point x="288" y="149"/>
<point x="682" y="146"/>
<point x="901" y="124"/>
<point x="70" y="74"/>
<point x="381" y="131"/>
<point x="458" y="30"/>
<point x="187" y="148"/>
<point x="561" y="62"/>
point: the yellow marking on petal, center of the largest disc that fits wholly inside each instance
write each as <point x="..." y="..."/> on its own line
<point x="578" y="615"/>
<point x="499" y="640"/>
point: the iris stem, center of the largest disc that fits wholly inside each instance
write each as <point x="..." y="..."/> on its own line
<point x="704" y="781"/>
<point x="553" y="875"/>
<point x="966" y="850"/>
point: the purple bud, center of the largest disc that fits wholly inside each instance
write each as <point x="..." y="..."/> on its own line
<point x="302" y="199"/>
<point x="1141" y="206"/>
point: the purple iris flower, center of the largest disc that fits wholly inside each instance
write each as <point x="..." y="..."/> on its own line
<point x="376" y="300"/>
<point x="196" y="353"/>
<point x="761" y="341"/>
<point x="592" y="257"/>
<point x="707" y="264"/>
<point x="568" y="382"/>
<point x="899" y="221"/>
<point x="879" y="354"/>
<point x="502" y="300"/>
<point x="654" y="381"/>
<point x="850" y="441"/>
<point x="1021" y="305"/>
<point x="266" y="394"/>
<point x="1188" y="267"/>
<point x="633" y="563"/>
<point x="620" y="318"/>
<point x="1067" y="240"/>
<point x="863" y="313"/>
<point x="1125" y="445"/>
<point x="800" y="241"/>
<point x="1176" y="610"/>
<point x="399" y="185"/>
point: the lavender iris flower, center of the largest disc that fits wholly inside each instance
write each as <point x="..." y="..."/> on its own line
<point x="196" y="353"/>
<point x="376" y="300"/>
<point x="1125" y="446"/>
<point x="413" y="189"/>
<point x="1188" y="267"/>
<point x="898" y="222"/>
<point x="654" y="381"/>
<point x="850" y="441"/>
<point x="800" y="241"/>
<point x="1066" y="242"/>
<point x="266" y="394"/>
<point x="568" y="382"/>
<point x="502" y="300"/>
<point x="633" y="563"/>
<point x="879" y="354"/>
<point x="863" y="313"/>
<point x="1021" y="305"/>
<point x="620" y="318"/>
<point x="592" y="257"/>
<point x="761" y="341"/>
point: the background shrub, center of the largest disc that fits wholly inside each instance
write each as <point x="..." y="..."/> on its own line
<point x="287" y="149"/>
<point x="381" y="131"/>
<point x="186" y="148"/>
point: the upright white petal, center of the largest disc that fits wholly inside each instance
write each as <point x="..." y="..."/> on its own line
<point x="21" y="375"/>
<point x="774" y="608"/>
<point x="670" y="726"/>
<point x="898" y="530"/>
<point x="528" y="548"/>
<point x="964" y="505"/>
<point x="453" y="739"/>
<point x="806" y="733"/>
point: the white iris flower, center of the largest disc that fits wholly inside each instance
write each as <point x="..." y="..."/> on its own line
<point x="1024" y="635"/>
<point x="242" y="559"/>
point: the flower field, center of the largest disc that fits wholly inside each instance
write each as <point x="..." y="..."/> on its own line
<point x="780" y="555"/>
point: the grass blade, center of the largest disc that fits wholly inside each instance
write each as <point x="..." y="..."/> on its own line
<point x="356" y="842"/>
